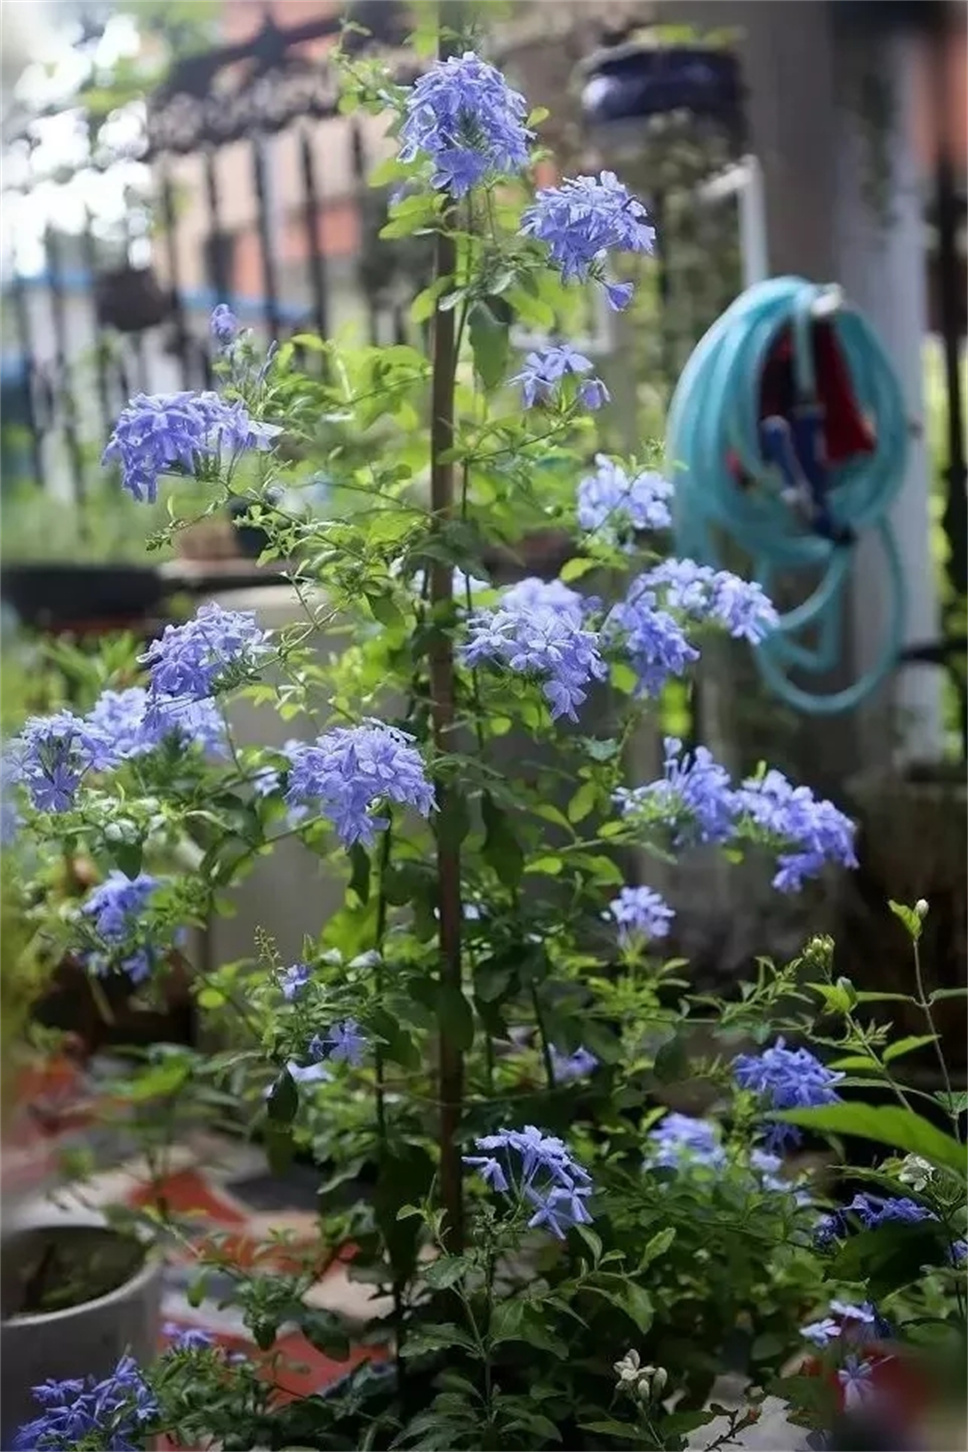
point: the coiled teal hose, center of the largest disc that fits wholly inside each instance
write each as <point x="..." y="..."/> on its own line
<point x="715" y="413"/>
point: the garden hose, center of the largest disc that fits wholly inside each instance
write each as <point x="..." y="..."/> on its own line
<point x="791" y="469"/>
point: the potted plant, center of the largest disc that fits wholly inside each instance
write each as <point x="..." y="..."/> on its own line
<point x="77" y="1296"/>
<point x="482" y="1043"/>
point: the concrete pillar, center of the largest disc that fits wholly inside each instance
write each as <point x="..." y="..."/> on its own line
<point x="879" y="231"/>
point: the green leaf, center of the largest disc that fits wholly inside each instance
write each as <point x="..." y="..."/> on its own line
<point x="912" y="920"/>
<point x="857" y="1062"/>
<point x="955" y="1103"/>
<point x="453" y="822"/>
<point x="423" y="306"/>
<point x="360" y="875"/>
<point x="628" y="1432"/>
<point x="582" y="802"/>
<point x="446" y="1271"/>
<point x="127" y="857"/>
<point x="384" y="609"/>
<point x="638" y="1303"/>
<point x="592" y="1240"/>
<point x="940" y="994"/>
<point x="574" y="568"/>
<point x="549" y="866"/>
<point x="435" y="1338"/>
<point x="455" y="1015"/>
<point x="502" y="851"/>
<point x="888" y="1257"/>
<point x="489" y="343"/>
<point x="398" y="1044"/>
<point x="322" y="1329"/>
<point x="908" y="1045"/>
<point x="657" y="1245"/>
<point x="885" y="1124"/>
<point x="537" y="115"/>
<point x="283" y="1100"/>
<point x="671" y="1061"/>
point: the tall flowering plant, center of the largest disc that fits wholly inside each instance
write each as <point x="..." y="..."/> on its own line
<point x="485" y="1022"/>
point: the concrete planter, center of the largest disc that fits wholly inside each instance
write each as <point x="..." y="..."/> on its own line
<point x="78" y="1340"/>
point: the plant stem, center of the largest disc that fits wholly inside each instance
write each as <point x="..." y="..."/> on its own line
<point x="381" y="925"/>
<point x="925" y="1008"/>
<point x="451" y="1064"/>
<point x="542" y="1034"/>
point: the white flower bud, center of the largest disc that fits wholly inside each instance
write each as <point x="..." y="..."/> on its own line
<point x="921" y="907"/>
<point x="660" y="1379"/>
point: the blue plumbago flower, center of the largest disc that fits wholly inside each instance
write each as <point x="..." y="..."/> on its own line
<point x="163" y="432"/>
<point x="874" y="1210"/>
<point x="957" y="1252"/>
<point x="694" y="796"/>
<point x="186" y="1338"/>
<point x="572" y="1066"/>
<point x="592" y="394"/>
<point x="767" y="1167"/>
<point x="640" y="913"/>
<point x="860" y="1324"/>
<point x="51" y="756"/>
<point x="543" y="373"/>
<point x="134" y="723"/>
<point x="224" y="325"/>
<point x="741" y="607"/>
<point x="464" y="115"/>
<point x="786" y="1079"/>
<point x="538" y="630"/>
<point x="193" y="659"/>
<point x="814" y="831"/>
<point x="344" y="1044"/>
<point x="584" y="219"/>
<point x="10" y="819"/>
<point x="680" y="1141"/>
<point x="539" y="1169"/>
<point x="829" y="1227"/>
<point x="855" y="1376"/>
<point x="316" y="1073"/>
<point x="655" y="643"/>
<point x="117" y="1410"/>
<point x="350" y="769"/>
<point x="117" y="909"/>
<point x="610" y="501"/>
<point x="821" y="1333"/>
<point x="293" y="980"/>
<point x="535" y="594"/>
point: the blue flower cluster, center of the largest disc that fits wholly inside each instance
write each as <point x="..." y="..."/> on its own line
<point x="116" y="909"/>
<point x="135" y="724"/>
<point x="655" y="643"/>
<point x="538" y="630"/>
<point x="618" y="506"/>
<point x="189" y="662"/>
<point x="568" y="1067"/>
<point x="224" y="325"/>
<point x="347" y="771"/>
<point x="343" y="1044"/>
<point x="681" y="1141"/>
<point x="538" y="1168"/>
<point x="641" y="913"/>
<point x="584" y="219"/>
<point x="163" y="432"/>
<point x="464" y="115"/>
<point x="696" y="798"/>
<point x="117" y="1410"/>
<point x="786" y="1079"/>
<point x="186" y="1338"/>
<point x="741" y="607"/>
<point x="875" y="1210"/>
<point x="856" y="1324"/>
<point x="816" y="830"/>
<point x="50" y="758"/>
<point x="543" y="374"/>
<point x="293" y="980"/>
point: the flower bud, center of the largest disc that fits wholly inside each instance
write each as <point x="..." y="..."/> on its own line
<point x="921" y="907"/>
<point x="660" y="1380"/>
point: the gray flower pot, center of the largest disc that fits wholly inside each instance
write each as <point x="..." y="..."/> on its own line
<point x="78" y="1340"/>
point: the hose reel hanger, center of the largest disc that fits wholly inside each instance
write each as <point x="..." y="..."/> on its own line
<point x="788" y="441"/>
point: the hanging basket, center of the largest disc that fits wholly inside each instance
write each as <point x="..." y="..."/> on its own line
<point x="640" y="81"/>
<point x="131" y="299"/>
